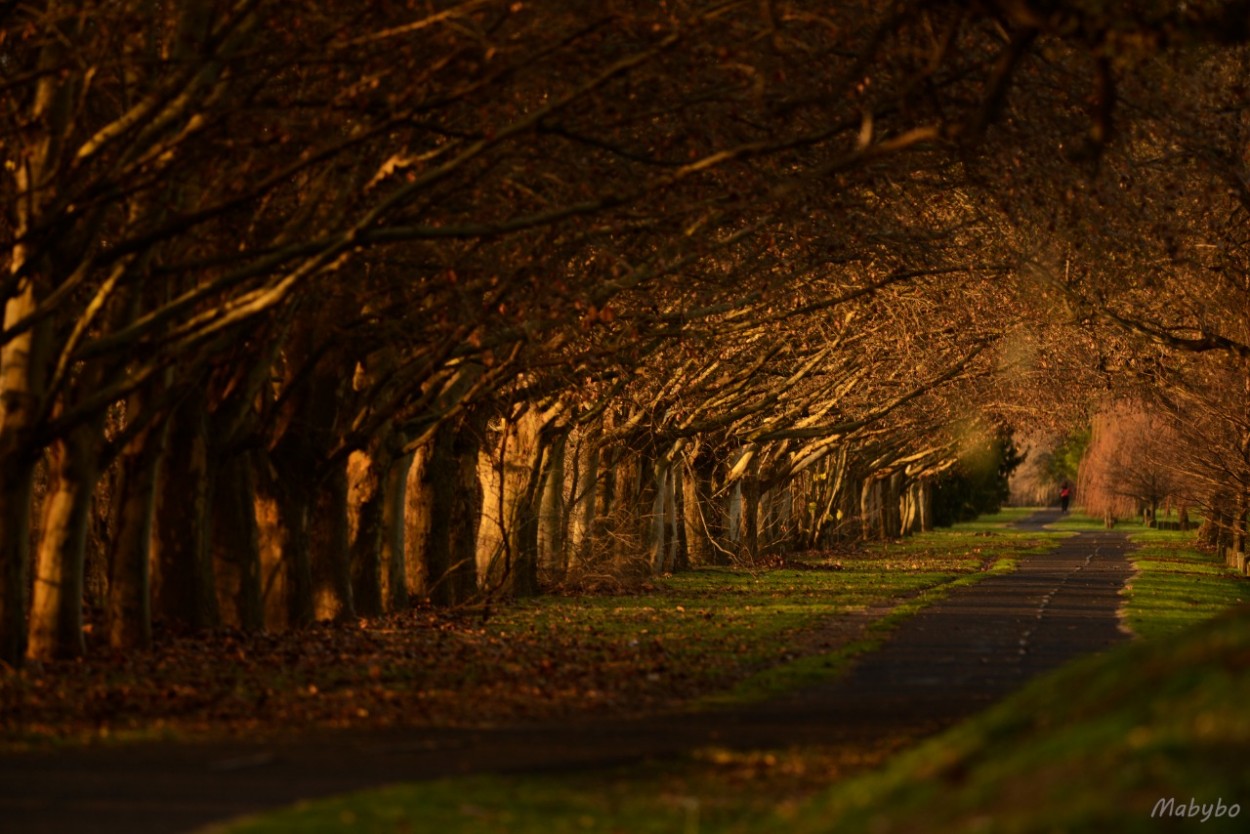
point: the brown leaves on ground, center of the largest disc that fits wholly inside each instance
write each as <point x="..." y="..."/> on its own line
<point x="653" y="649"/>
<point x="418" y="668"/>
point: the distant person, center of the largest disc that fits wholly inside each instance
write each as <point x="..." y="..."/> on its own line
<point x="1065" y="495"/>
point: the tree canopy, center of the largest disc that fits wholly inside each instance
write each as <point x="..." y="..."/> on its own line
<point x="314" y="308"/>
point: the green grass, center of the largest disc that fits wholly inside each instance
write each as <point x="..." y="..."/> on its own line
<point x="1089" y="749"/>
<point x="817" y="668"/>
<point x="739" y="635"/>
<point x="487" y="805"/>
<point x="1177" y="585"/>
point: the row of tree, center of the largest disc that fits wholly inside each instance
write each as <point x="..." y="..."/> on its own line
<point x="313" y="309"/>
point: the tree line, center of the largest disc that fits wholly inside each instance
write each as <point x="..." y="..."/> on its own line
<point x="313" y="310"/>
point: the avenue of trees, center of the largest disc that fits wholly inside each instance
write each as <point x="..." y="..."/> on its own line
<point x="317" y="309"/>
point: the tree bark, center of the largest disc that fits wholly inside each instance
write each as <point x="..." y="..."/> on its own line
<point x="366" y="498"/>
<point x="282" y="521"/>
<point x="186" y="586"/>
<point x="444" y="507"/>
<point x="680" y="559"/>
<point x="891" y="511"/>
<point x="24" y="359"/>
<point x="509" y="545"/>
<point x="585" y="494"/>
<point x="925" y="501"/>
<point x="552" y="526"/>
<point x="21" y="388"/>
<point x="129" y="607"/>
<point x="704" y="530"/>
<point x="329" y="545"/>
<point x="236" y="545"/>
<point x="394" y="544"/>
<point x="56" y="627"/>
<point x="654" y="529"/>
<point x="751" y="513"/>
<point x="870" y="509"/>
<point x="17" y="476"/>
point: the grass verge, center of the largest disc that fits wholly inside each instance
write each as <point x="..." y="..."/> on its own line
<point x="1098" y="745"/>
<point x="1177" y="585"/>
<point x="1092" y="748"/>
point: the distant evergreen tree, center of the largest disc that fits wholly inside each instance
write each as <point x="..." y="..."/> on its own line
<point x="1063" y="463"/>
<point x="977" y="485"/>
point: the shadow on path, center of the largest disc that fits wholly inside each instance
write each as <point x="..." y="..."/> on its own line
<point x="948" y="662"/>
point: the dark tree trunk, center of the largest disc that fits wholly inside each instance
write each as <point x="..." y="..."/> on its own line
<point x="282" y="516"/>
<point x="330" y="545"/>
<point x="129" y="607"/>
<point x="17" y="477"/>
<point x="236" y="545"/>
<point x="186" y="588"/>
<point x="446" y="503"/>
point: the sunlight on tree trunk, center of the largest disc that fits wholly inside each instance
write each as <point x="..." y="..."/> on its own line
<point x="56" y="610"/>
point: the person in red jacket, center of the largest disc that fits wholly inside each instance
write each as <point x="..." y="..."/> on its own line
<point x="1065" y="495"/>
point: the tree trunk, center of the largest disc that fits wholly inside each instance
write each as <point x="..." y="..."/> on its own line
<point x="680" y="559"/>
<point x="585" y="492"/>
<point x="751" y="513"/>
<point x="552" y="527"/>
<point x="654" y="528"/>
<point x="56" y="612"/>
<point x="394" y="544"/>
<point x="523" y="536"/>
<point x="925" y="501"/>
<point x="186" y="588"/>
<point x="282" y="522"/>
<point x="701" y="515"/>
<point x="24" y="365"/>
<point x="22" y="371"/>
<point x="429" y="528"/>
<point x="510" y="545"/>
<point x="329" y="546"/>
<point x="870" y="509"/>
<point x="907" y="509"/>
<point x="365" y="506"/>
<point x="17" y="476"/>
<point x="236" y="545"/>
<point x="777" y="517"/>
<point x="733" y="519"/>
<point x="129" y="609"/>
<point x="891" y="515"/>
<point x="445" y="507"/>
<point x="1239" y="523"/>
<point x="750" y="521"/>
<point x="621" y="498"/>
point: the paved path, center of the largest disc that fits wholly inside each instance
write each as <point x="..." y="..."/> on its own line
<point x="946" y="663"/>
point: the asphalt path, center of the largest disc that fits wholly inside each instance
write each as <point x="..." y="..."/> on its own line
<point x="946" y="663"/>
